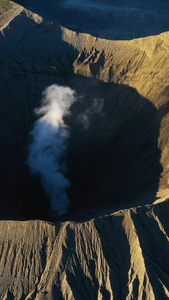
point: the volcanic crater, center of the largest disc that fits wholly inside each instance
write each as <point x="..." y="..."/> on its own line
<point x="113" y="162"/>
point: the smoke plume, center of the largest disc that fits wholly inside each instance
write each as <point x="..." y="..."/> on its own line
<point x="50" y="138"/>
<point x="95" y="108"/>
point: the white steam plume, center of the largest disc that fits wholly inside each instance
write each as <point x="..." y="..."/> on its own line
<point x="95" y="108"/>
<point x="50" y="135"/>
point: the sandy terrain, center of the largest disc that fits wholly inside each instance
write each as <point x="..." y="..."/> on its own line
<point x="120" y="256"/>
<point x="8" y="15"/>
<point x="123" y="254"/>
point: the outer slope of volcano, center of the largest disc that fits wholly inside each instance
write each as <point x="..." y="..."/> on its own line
<point x="120" y="255"/>
<point x="106" y="19"/>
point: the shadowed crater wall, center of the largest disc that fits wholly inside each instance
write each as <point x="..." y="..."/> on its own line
<point x="116" y="159"/>
<point x="112" y="161"/>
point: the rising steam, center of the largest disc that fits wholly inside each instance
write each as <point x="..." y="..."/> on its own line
<point x="50" y="137"/>
<point x="94" y="109"/>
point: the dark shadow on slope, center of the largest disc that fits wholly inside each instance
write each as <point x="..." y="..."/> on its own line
<point x="154" y="245"/>
<point x="106" y="19"/>
<point x="113" y="156"/>
<point x="76" y="275"/>
<point x="42" y="59"/>
<point x="113" y="163"/>
<point x="116" y="251"/>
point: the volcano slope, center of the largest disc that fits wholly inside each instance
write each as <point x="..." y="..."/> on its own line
<point x="117" y="163"/>
<point x="110" y="19"/>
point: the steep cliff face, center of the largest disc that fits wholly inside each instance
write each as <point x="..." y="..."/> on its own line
<point x="118" y="161"/>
